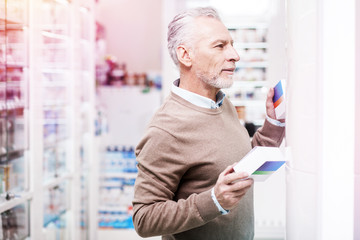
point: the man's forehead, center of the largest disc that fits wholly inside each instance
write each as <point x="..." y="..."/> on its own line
<point x="211" y="28"/>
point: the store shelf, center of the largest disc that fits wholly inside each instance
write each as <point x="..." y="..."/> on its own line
<point x="63" y="2"/>
<point x="11" y="24"/>
<point x="48" y="34"/>
<point x="58" y="103"/>
<point x="117" y="175"/>
<point x="55" y="71"/>
<point x="51" y="183"/>
<point x="57" y="121"/>
<point x="19" y="198"/>
<point x="248" y="103"/>
<point x="54" y="143"/>
<point x="16" y="65"/>
<point x="11" y="155"/>
<point x="54" y="218"/>
<point x="108" y="208"/>
<point x="248" y="93"/>
<point x="11" y="105"/>
<point x="127" y="234"/>
<point x="245" y="45"/>
<point x="249" y="84"/>
<point x="252" y="64"/>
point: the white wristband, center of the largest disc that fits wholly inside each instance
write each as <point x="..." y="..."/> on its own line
<point x="223" y="211"/>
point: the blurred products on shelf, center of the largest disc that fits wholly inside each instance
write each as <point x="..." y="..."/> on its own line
<point x="116" y="74"/>
<point x="240" y="112"/>
<point x="117" y="180"/>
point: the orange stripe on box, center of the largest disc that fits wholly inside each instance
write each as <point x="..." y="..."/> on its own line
<point x="277" y="103"/>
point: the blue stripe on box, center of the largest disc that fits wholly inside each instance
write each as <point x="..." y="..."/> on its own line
<point x="278" y="91"/>
<point x="270" y="166"/>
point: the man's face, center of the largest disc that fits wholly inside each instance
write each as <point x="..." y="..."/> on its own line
<point x="214" y="56"/>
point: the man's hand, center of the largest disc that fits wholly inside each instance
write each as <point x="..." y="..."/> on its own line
<point x="229" y="190"/>
<point x="270" y="110"/>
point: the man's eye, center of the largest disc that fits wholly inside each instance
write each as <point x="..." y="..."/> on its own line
<point x="220" y="46"/>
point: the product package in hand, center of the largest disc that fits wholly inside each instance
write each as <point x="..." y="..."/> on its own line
<point x="261" y="162"/>
<point x="279" y="99"/>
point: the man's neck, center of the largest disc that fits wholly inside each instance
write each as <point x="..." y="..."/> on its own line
<point x="197" y="86"/>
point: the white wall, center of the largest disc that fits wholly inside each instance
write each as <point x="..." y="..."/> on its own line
<point x="277" y="39"/>
<point x="303" y="122"/>
<point x="133" y="32"/>
<point x="128" y="112"/>
<point x="321" y="120"/>
<point x="357" y="127"/>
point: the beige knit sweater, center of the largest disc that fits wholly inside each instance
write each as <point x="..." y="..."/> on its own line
<point x="180" y="157"/>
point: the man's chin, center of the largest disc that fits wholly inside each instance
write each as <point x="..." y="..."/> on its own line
<point x="219" y="82"/>
<point x="228" y="85"/>
<point x="225" y="83"/>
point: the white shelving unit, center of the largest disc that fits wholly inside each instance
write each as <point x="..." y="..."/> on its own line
<point x="127" y="124"/>
<point x="248" y="94"/>
<point x="47" y="140"/>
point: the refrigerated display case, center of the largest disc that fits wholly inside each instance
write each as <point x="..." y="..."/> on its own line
<point x="14" y="65"/>
<point x="84" y="92"/>
<point x="68" y="88"/>
<point x="56" y="107"/>
<point x="46" y="117"/>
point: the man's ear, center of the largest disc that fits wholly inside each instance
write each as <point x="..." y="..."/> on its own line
<point x="184" y="55"/>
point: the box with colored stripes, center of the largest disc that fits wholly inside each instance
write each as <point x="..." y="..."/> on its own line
<point x="279" y="99"/>
<point x="261" y="162"/>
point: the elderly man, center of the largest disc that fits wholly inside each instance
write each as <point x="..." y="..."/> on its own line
<point x="186" y="187"/>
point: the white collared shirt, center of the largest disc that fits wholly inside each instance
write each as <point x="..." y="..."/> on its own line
<point x="197" y="99"/>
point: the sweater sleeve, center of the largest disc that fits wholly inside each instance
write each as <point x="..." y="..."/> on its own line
<point x="156" y="211"/>
<point x="268" y="135"/>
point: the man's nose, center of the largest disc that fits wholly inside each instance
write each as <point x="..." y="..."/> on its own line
<point x="233" y="55"/>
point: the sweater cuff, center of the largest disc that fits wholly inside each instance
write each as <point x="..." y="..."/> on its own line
<point x="275" y="122"/>
<point x="273" y="131"/>
<point x="206" y="206"/>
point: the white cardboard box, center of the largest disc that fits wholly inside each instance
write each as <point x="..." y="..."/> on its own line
<point x="261" y="162"/>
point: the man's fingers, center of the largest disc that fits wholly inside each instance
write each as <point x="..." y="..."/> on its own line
<point x="228" y="170"/>
<point x="242" y="188"/>
<point x="233" y="177"/>
<point x="270" y="94"/>
<point x="269" y="99"/>
<point x="240" y="185"/>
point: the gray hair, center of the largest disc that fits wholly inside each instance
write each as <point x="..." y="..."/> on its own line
<point x="180" y="30"/>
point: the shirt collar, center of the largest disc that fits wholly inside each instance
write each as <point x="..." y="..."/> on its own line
<point x="197" y="99"/>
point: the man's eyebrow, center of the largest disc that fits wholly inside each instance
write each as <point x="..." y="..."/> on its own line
<point x="223" y="41"/>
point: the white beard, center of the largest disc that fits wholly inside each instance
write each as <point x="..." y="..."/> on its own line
<point x="215" y="81"/>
